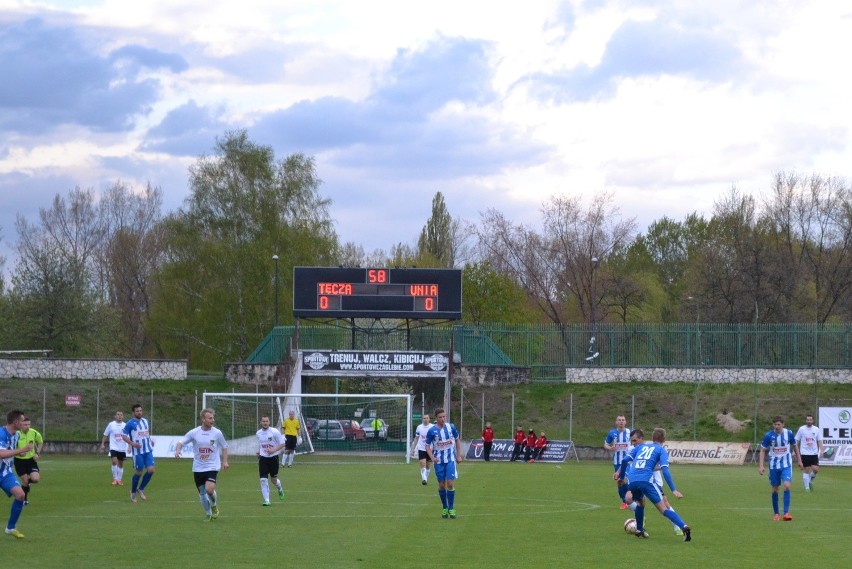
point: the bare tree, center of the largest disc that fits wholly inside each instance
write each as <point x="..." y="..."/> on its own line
<point x="810" y="219"/>
<point x="566" y="261"/>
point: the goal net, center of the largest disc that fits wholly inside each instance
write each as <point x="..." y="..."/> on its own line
<point x="355" y="424"/>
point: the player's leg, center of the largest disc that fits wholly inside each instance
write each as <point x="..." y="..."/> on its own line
<point x="13" y="489"/>
<point x="138" y="469"/>
<point x="622" y="490"/>
<point x="787" y="478"/>
<point x="440" y="476"/>
<point x="118" y="469"/>
<point x="273" y="474"/>
<point x="263" y="473"/>
<point x="150" y="468"/>
<point x="200" y="481"/>
<point x="450" y="476"/>
<point x="212" y="497"/>
<point x="775" y="482"/>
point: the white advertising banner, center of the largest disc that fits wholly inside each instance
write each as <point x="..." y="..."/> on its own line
<point x="835" y="424"/>
<point x="700" y="452"/>
<point x="164" y="447"/>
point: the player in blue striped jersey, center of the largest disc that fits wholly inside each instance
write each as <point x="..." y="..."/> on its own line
<point x="8" y="481"/>
<point x="781" y="445"/>
<point x="443" y="446"/>
<point x="137" y="434"/>
<point x="617" y="442"/>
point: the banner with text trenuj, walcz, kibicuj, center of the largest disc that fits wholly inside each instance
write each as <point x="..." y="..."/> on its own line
<point x="360" y="363"/>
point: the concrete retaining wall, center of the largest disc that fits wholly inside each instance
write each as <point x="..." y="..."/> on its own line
<point x="721" y="375"/>
<point x="58" y="368"/>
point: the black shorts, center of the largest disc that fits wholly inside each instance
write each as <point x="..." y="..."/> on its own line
<point x="25" y="466"/>
<point x="120" y="455"/>
<point x="267" y="466"/>
<point x="290" y="442"/>
<point x="810" y="460"/>
<point x="201" y="478"/>
<point x="421" y="454"/>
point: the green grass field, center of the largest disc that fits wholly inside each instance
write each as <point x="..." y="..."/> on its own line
<point x="377" y="515"/>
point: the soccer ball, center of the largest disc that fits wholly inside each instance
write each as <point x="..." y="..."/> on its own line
<point x="630" y="526"/>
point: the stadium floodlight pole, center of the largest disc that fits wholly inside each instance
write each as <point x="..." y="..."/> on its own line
<point x="275" y="258"/>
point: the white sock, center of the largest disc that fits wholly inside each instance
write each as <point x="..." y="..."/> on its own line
<point x="632" y="506"/>
<point x="291" y="455"/>
<point x="264" y="489"/>
<point x="214" y="498"/>
<point x="278" y="485"/>
<point x="114" y="472"/>
<point x="119" y="473"/>
<point x="806" y="478"/>
<point x="423" y="473"/>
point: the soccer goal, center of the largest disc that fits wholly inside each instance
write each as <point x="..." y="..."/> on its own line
<point x="341" y="424"/>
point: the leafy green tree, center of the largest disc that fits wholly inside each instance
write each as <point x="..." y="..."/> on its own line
<point x="489" y="296"/>
<point x="215" y="292"/>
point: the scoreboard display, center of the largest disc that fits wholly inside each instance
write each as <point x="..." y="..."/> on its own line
<point x="326" y="292"/>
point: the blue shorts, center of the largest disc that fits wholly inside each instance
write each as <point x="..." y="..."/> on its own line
<point x="8" y="482"/>
<point x="779" y="475"/>
<point x="143" y="461"/>
<point x="445" y="471"/>
<point x="645" y="489"/>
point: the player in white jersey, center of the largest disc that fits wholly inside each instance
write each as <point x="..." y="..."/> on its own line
<point x="809" y="440"/>
<point x="420" y="438"/>
<point x="443" y="445"/>
<point x="208" y="443"/>
<point x="270" y="442"/>
<point x="118" y="449"/>
<point x="781" y="445"/>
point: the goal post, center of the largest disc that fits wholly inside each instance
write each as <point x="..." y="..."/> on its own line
<point x="343" y="424"/>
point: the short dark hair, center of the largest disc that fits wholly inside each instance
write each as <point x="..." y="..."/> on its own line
<point x="137" y="406"/>
<point x="438" y="411"/>
<point x="777" y="419"/>
<point x="13" y="416"/>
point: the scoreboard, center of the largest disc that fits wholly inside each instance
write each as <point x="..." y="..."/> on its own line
<point x="326" y="292"/>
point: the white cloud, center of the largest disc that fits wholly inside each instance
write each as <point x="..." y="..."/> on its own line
<point x="666" y="104"/>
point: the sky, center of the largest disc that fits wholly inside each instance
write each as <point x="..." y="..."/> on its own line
<point x="662" y="104"/>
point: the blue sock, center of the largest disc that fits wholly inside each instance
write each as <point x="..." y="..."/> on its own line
<point x="451" y="499"/>
<point x="640" y="518"/>
<point x="145" y="479"/>
<point x="786" y="501"/>
<point x="674" y="518"/>
<point x="17" y="508"/>
<point x="135" y="483"/>
<point x="443" y="494"/>
<point x="775" y="502"/>
<point x="622" y="492"/>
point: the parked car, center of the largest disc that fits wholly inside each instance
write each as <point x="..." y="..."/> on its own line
<point x="311" y="426"/>
<point x="352" y="430"/>
<point x="329" y="430"/>
<point x="370" y="431"/>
